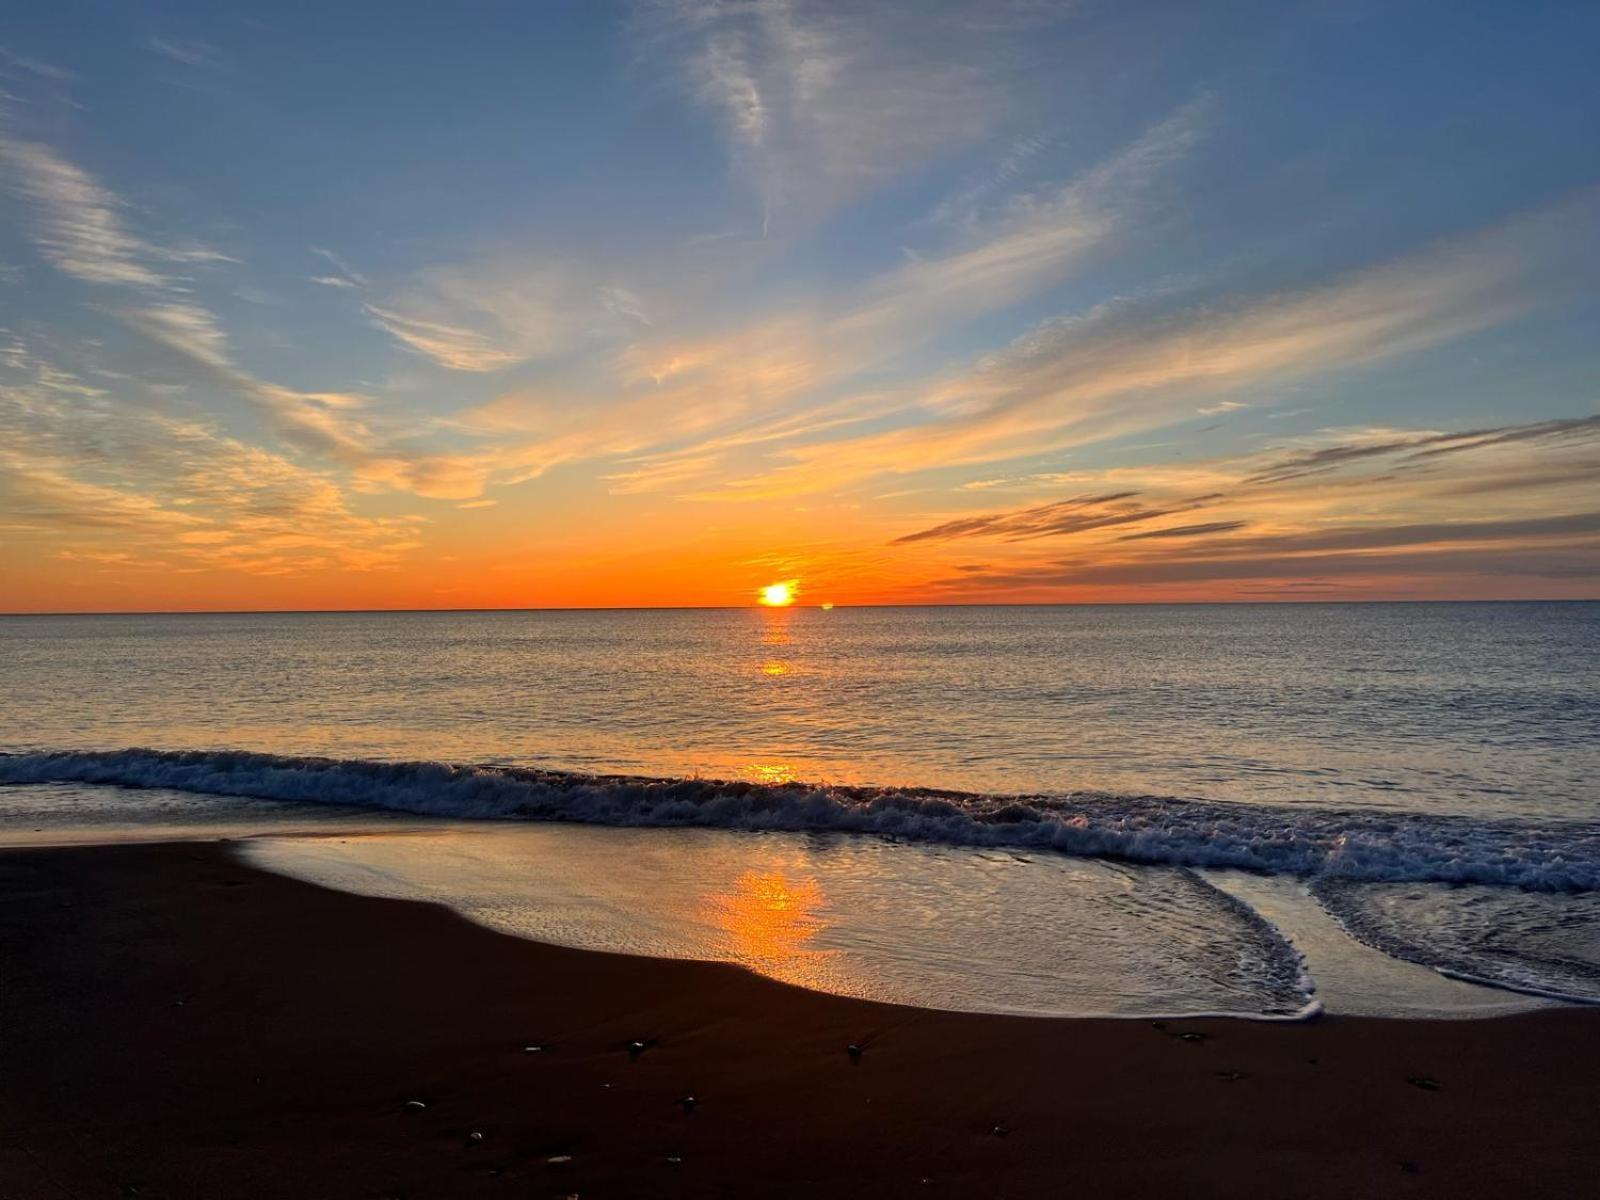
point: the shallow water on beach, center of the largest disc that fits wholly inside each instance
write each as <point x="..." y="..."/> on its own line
<point x="935" y="927"/>
<point x="949" y="928"/>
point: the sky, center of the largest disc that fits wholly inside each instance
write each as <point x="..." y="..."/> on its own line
<point x="408" y="305"/>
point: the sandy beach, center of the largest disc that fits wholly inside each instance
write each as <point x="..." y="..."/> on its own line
<point x="175" y="1024"/>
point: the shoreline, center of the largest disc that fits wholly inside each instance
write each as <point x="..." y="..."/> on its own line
<point x="174" y="1022"/>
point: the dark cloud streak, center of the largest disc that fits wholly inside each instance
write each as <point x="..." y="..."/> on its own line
<point x="1077" y="514"/>
<point x="1185" y="531"/>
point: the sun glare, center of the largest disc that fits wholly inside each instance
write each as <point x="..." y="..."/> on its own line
<point x="779" y="595"/>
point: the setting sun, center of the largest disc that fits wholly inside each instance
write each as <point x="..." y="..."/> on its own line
<point x="780" y="595"/>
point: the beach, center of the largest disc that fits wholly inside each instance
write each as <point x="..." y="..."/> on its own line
<point x="175" y="1023"/>
<point x="799" y="598"/>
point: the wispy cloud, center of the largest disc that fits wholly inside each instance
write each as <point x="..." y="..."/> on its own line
<point x="1123" y="368"/>
<point x="974" y="199"/>
<point x="114" y="484"/>
<point x="1202" y="529"/>
<point x="346" y="273"/>
<point x="191" y="52"/>
<point x="1418" y="447"/>
<point x="744" y="375"/>
<point x="1077" y="514"/>
<point x="822" y="102"/>
<point x="79" y="229"/>
<point x="9" y="60"/>
<point x="78" y="224"/>
<point x="454" y="346"/>
<point x="498" y="311"/>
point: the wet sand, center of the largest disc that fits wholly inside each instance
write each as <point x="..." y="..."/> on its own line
<point x="176" y="1024"/>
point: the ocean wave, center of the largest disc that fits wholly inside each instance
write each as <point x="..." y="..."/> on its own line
<point x="1312" y="842"/>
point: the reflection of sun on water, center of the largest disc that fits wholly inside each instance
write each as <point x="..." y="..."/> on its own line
<point x="772" y="772"/>
<point x="775" y="627"/>
<point x="774" y="667"/>
<point x="768" y="917"/>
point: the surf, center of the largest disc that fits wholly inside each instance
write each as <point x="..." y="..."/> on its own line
<point x="1305" y="841"/>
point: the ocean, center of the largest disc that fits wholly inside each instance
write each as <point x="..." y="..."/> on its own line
<point x="1139" y="810"/>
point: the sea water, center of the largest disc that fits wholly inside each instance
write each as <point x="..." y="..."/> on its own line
<point x="1130" y="809"/>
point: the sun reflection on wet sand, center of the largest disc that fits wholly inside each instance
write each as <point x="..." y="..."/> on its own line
<point x="769" y="920"/>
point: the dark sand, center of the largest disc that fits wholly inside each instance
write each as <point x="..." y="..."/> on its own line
<point x="173" y="1023"/>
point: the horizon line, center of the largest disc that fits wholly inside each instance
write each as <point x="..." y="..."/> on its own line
<point x="308" y="612"/>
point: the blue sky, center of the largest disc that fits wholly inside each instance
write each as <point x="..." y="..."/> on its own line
<point x="311" y="304"/>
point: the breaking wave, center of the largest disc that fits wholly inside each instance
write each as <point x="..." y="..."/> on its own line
<point x="1551" y="856"/>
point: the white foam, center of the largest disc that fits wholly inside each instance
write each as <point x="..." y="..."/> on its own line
<point x="1305" y="841"/>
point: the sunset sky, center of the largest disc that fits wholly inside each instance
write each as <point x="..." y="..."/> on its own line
<point x="550" y="304"/>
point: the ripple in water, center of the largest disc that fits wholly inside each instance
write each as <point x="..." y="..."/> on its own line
<point x="1545" y="944"/>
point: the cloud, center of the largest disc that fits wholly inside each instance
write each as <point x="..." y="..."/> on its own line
<point x="453" y="346"/>
<point x="36" y="67"/>
<point x="109" y="483"/>
<point x="79" y="226"/>
<point x="737" y="379"/>
<point x="191" y="52"/>
<point x="80" y="230"/>
<point x="1580" y="561"/>
<point x="1186" y="531"/>
<point x="1380" y="504"/>
<point x="187" y="328"/>
<point x="967" y="206"/>
<point x="347" y="273"/>
<point x="1073" y="515"/>
<point x="822" y="102"/>
<point x="1127" y="367"/>
<point x="1419" y="447"/>
<point x="501" y="311"/>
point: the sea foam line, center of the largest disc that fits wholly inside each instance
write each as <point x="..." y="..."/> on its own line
<point x="1312" y="842"/>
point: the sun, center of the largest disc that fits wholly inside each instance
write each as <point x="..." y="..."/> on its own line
<point x="779" y="595"/>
